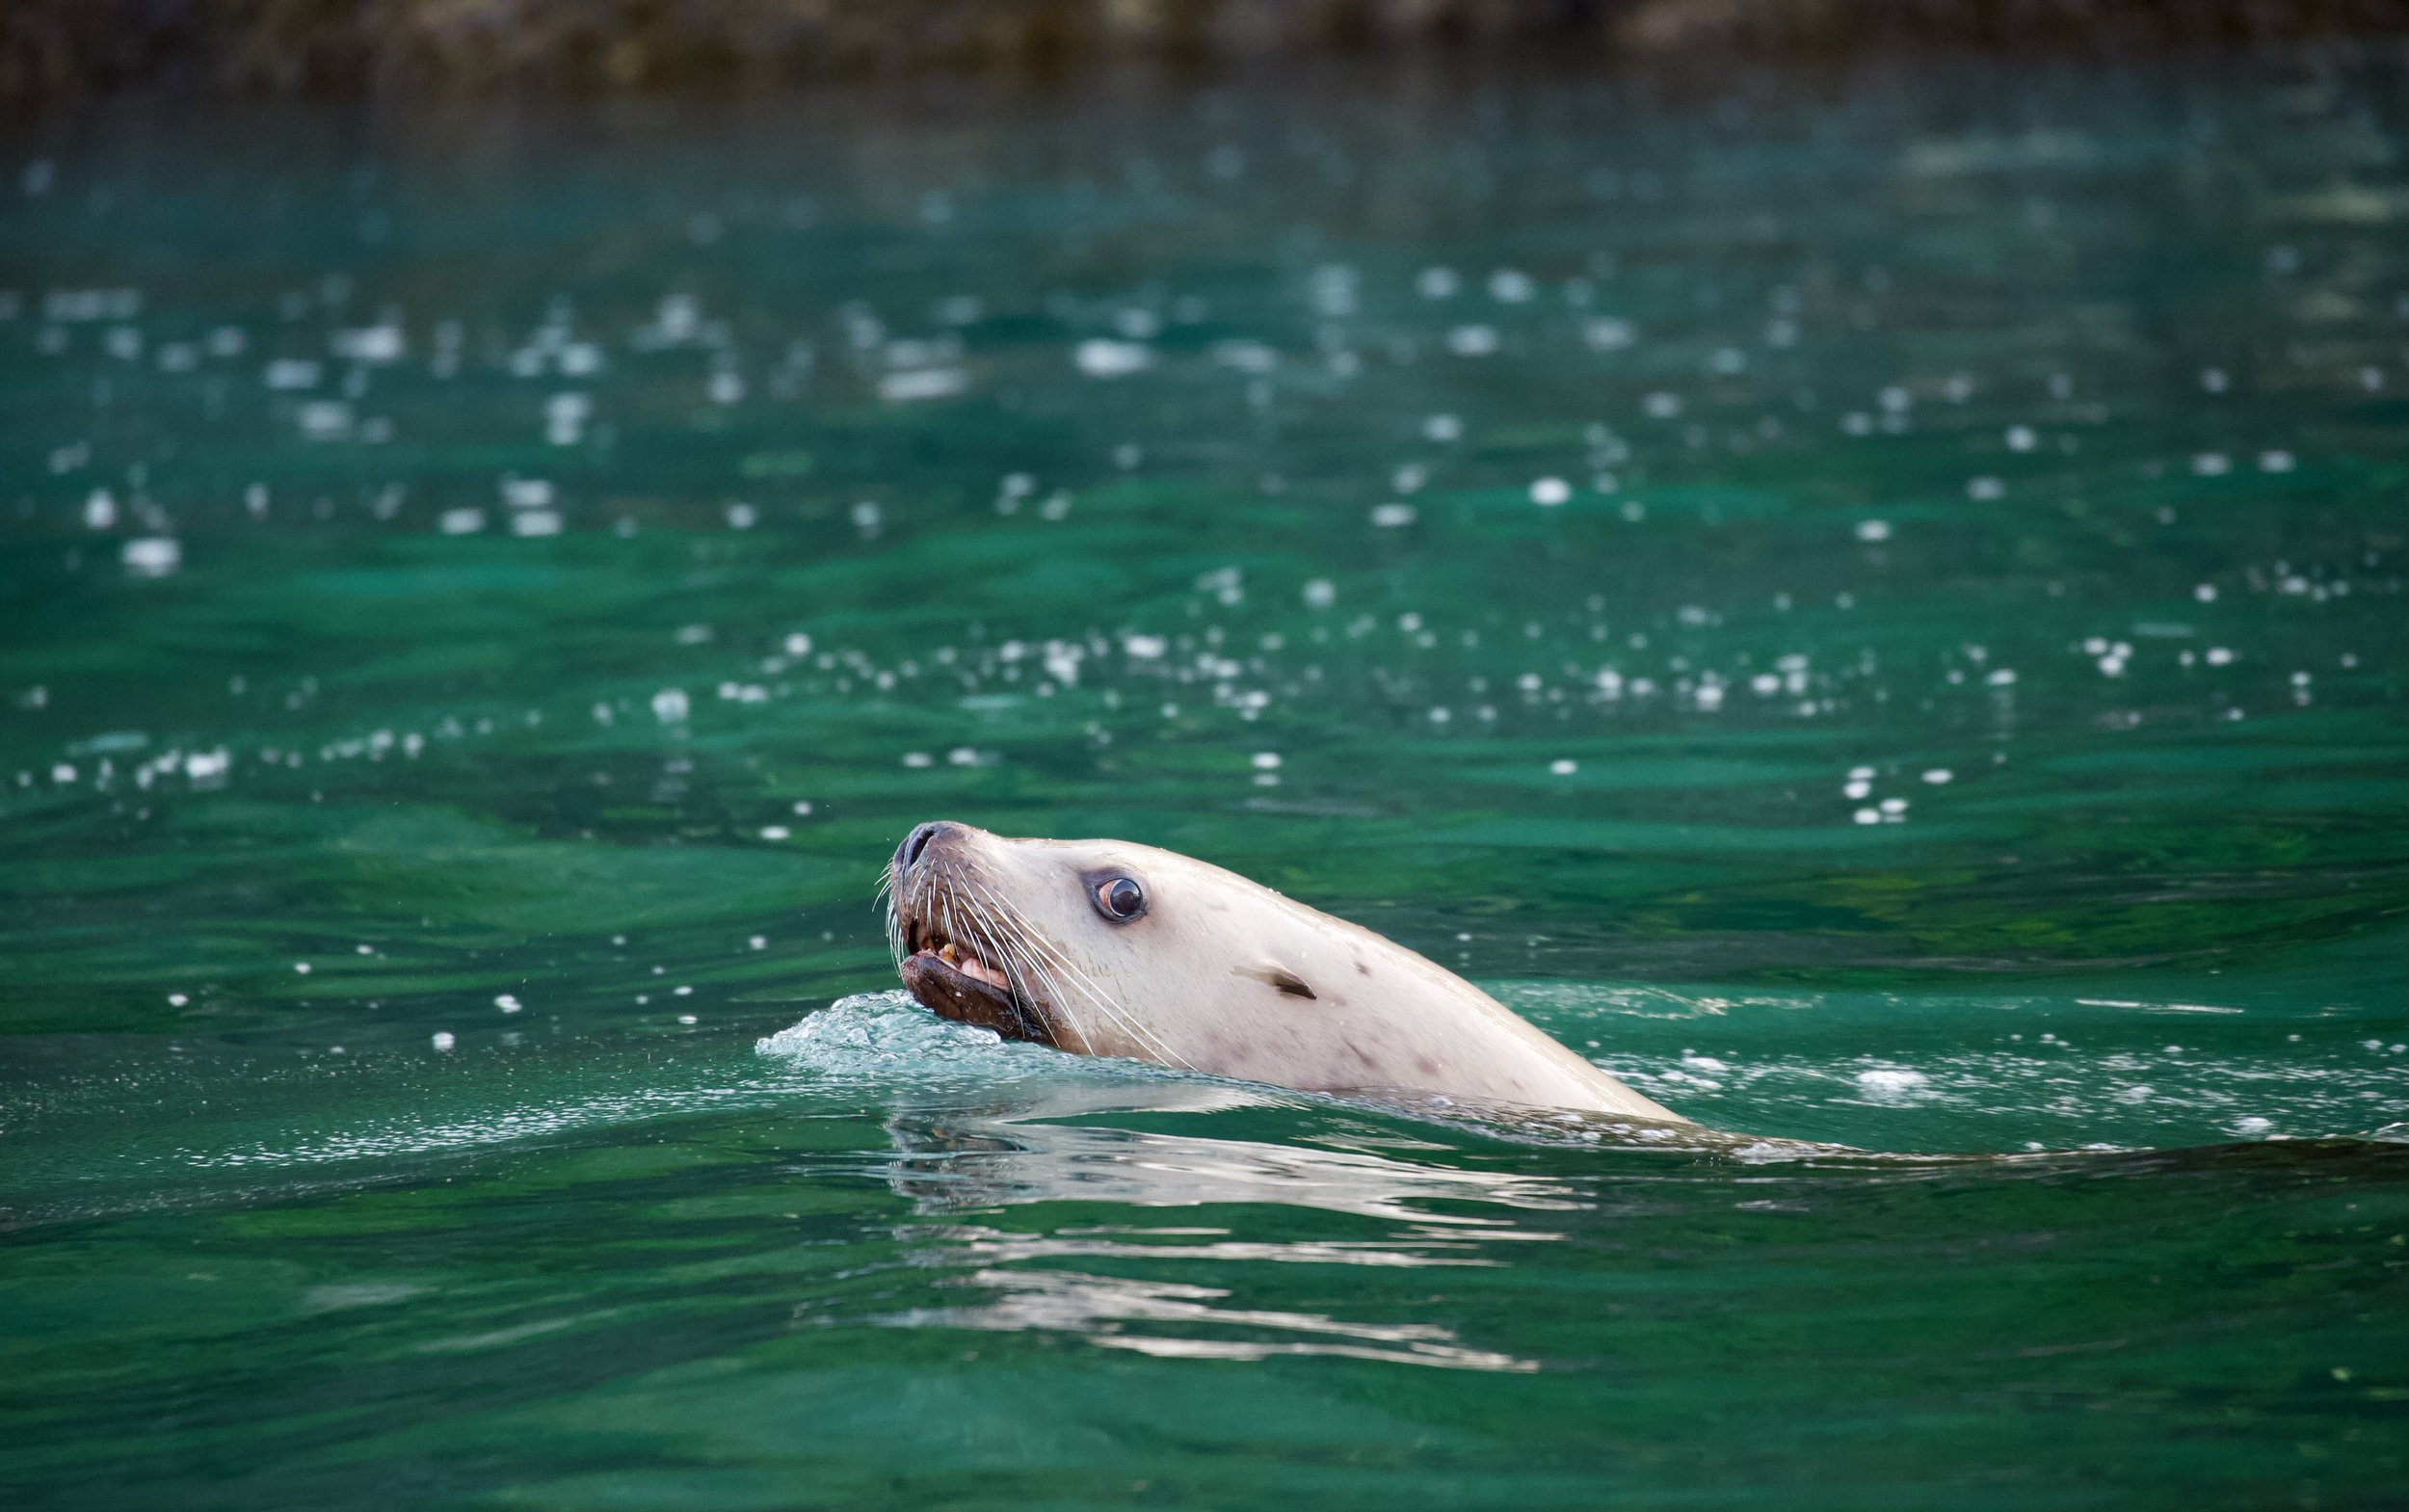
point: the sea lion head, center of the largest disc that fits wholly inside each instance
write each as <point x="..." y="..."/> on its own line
<point x="1111" y="948"/>
<point x="1103" y="947"/>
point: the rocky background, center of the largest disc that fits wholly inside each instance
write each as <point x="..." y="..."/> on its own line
<point x="49" y="47"/>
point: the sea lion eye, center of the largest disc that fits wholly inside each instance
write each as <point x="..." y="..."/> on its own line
<point x="1120" y="898"/>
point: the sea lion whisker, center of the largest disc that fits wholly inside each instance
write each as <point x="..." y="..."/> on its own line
<point x="967" y="936"/>
<point x="1011" y="933"/>
<point x="888" y="889"/>
<point x="1023" y="968"/>
<point x="949" y="911"/>
<point x="1038" y="986"/>
<point x="993" y="926"/>
<point x="1044" y="984"/>
<point x="972" y="934"/>
<point x="1018" y="975"/>
<point x="1086" y="984"/>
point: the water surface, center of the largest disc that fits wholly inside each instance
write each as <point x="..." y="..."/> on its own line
<point x="1871" y="607"/>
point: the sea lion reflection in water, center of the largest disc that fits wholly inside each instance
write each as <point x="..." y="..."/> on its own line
<point x="1105" y="948"/>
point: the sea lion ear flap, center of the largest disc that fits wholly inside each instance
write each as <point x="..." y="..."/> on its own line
<point x="1273" y="974"/>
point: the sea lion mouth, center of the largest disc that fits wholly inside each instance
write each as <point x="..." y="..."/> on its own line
<point x="955" y="975"/>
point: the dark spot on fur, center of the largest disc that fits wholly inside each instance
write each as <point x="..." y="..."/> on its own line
<point x="1427" y="1065"/>
<point x="1280" y="977"/>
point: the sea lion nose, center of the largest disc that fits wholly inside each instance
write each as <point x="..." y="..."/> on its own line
<point x="918" y="839"/>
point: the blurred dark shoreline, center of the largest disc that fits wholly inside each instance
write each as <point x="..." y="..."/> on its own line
<point x="52" y="49"/>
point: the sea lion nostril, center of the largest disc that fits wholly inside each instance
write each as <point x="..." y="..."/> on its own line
<point x="918" y="839"/>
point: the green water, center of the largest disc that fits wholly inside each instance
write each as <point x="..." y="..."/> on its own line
<point x="1871" y="606"/>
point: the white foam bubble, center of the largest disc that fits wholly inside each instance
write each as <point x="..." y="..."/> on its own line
<point x="1888" y="1082"/>
<point x="151" y="556"/>
<point x="1098" y="358"/>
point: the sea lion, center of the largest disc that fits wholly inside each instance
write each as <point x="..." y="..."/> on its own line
<point x="1102" y="948"/>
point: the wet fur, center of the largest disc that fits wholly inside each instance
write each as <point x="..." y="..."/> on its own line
<point x="1219" y="975"/>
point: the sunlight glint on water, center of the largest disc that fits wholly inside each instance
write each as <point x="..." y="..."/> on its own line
<point x="1873" y="612"/>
